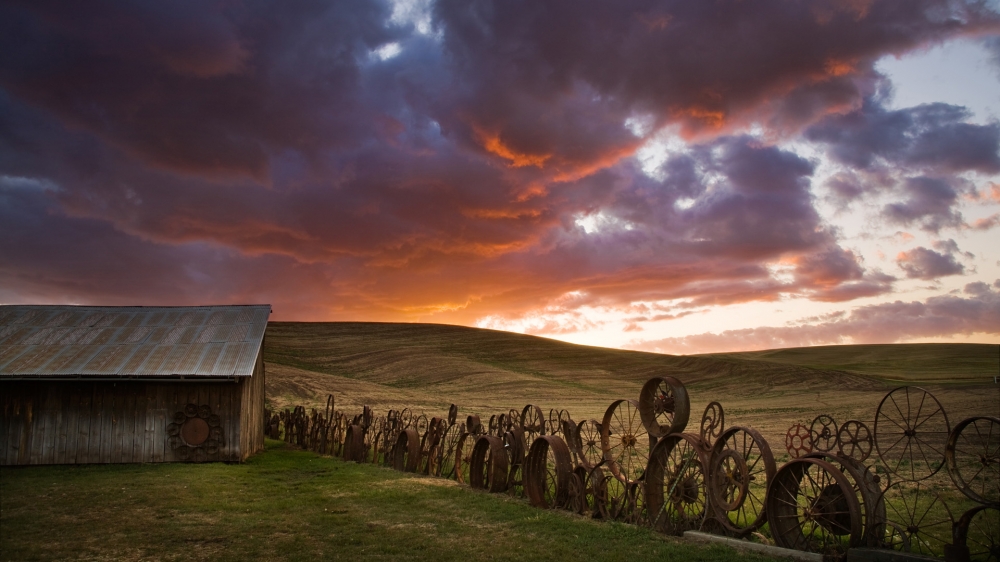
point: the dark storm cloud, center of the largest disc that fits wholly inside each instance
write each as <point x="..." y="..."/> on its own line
<point x="255" y="146"/>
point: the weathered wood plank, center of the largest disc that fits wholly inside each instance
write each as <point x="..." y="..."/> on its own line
<point x="83" y="426"/>
<point x="107" y="425"/>
<point x="36" y="426"/>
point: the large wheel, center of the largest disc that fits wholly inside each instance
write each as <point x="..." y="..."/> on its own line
<point x="624" y="440"/>
<point x="664" y="406"/>
<point x="676" y="491"/>
<point x="740" y="468"/>
<point x="516" y="447"/>
<point x="587" y="442"/>
<point x="406" y="454"/>
<point x="922" y="516"/>
<point x="866" y="488"/>
<point x="488" y="465"/>
<point x="811" y="506"/>
<point x="973" y="456"/>
<point x="463" y="456"/>
<point x="911" y="433"/>
<point x="547" y="471"/>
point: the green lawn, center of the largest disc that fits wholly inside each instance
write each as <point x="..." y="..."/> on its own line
<point x="287" y="504"/>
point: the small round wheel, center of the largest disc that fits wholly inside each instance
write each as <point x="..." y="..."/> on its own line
<point x="823" y="433"/>
<point x="664" y="406"/>
<point x="587" y="440"/>
<point x="924" y="518"/>
<point x="811" y="506"/>
<point x="798" y="441"/>
<point x="676" y="491"/>
<point x="712" y="422"/>
<point x="854" y="440"/>
<point x="911" y="433"/>
<point x="624" y="440"/>
<point x="973" y="456"/>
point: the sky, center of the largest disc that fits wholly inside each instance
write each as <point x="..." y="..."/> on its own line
<point x="661" y="175"/>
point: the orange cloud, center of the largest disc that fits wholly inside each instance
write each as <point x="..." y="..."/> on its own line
<point x="494" y="145"/>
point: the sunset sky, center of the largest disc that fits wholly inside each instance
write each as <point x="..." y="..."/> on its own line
<point x="676" y="176"/>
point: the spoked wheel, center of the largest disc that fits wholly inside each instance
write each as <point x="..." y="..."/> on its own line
<point x="577" y="499"/>
<point x="421" y="423"/>
<point x="634" y="504"/>
<point x="447" y="450"/>
<point x="664" y="406"/>
<point x="624" y="440"/>
<point x="463" y="456"/>
<point x="553" y="427"/>
<point x="488" y="465"/>
<point x="514" y="445"/>
<point x="865" y="485"/>
<point x="973" y="455"/>
<point x="911" y="433"/>
<point x="741" y="467"/>
<point x="854" y="440"/>
<point x="587" y="440"/>
<point x="533" y="422"/>
<point x="798" y="441"/>
<point x="924" y="518"/>
<point x="712" y="422"/>
<point x="811" y="506"/>
<point x="598" y="496"/>
<point x="676" y="490"/>
<point x="978" y="530"/>
<point x="547" y="471"/>
<point x="823" y="433"/>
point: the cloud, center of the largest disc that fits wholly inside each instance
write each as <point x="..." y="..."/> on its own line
<point x="929" y="204"/>
<point x="922" y="263"/>
<point x="941" y="316"/>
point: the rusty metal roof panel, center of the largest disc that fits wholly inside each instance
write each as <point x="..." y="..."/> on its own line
<point x="210" y="341"/>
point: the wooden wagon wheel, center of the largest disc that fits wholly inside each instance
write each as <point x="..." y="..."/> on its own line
<point x="811" y="506"/>
<point x="924" y="518"/>
<point x="911" y="433"/>
<point x="978" y="533"/>
<point x="587" y="440"/>
<point x="740" y="467"/>
<point x="547" y="471"/>
<point x="664" y="406"/>
<point x="823" y="433"/>
<point x="406" y="453"/>
<point x="713" y="422"/>
<point x="798" y="441"/>
<point x="973" y="457"/>
<point x="488" y="465"/>
<point x="676" y="484"/>
<point x="624" y="440"/>
<point x="854" y="440"/>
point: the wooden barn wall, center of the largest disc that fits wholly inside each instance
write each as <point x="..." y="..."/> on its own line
<point x="69" y="422"/>
<point x="252" y="410"/>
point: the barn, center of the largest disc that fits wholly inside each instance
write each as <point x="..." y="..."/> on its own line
<point x="107" y="384"/>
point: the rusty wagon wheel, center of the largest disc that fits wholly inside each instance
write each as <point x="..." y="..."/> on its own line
<point x="866" y="487"/>
<point x="854" y="440"/>
<point x="624" y="440"/>
<point x="452" y="414"/>
<point x="740" y="468"/>
<point x="664" y="406"/>
<point x="713" y="422"/>
<point x="463" y="456"/>
<point x="811" y="506"/>
<point x="552" y="425"/>
<point x="532" y="421"/>
<point x="448" y="450"/>
<point x="587" y="442"/>
<point x="911" y="433"/>
<point x="547" y="471"/>
<point x="406" y="453"/>
<point x="823" y="432"/>
<point x="515" y="445"/>
<point x="973" y="457"/>
<point x="473" y="424"/>
<point x="488" y="465"/>
<point x="577" y="496"/>
<point x="598" y="496"/>
<point x="921" y="514"/>
<point x="798" y="441"/>
<point x="676" y="490"/>
<point x="354" y="444"/>
<point x="978" y="533"/>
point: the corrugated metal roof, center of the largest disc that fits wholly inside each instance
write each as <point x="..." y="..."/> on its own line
<point x="130" y="341"/>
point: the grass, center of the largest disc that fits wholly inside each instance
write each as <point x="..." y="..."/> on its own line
<point x="287" y="504"/>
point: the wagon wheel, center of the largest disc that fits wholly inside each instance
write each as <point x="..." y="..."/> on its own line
<point x="577" y="501"/>
<point x="911" y="433"/>
<point x="405" y="419"/>
<point x="532" y="420"/>
<point x="895" y="538"/>
<point x="494" y="424"/>
<point x="823" y="432"/>
<point x="463" y="456"/>
<point x="664" y="406"/>
<point x="430" y="446"/>
<point x="547" y="470"/>
<point x="488" y="465"/>
<point x="739" y="480"/>
<point x="973" y="456"/>
<point x="421" y="423"/>
<point x="448" y="450"/>
<point x="406" y="453"/>
<point x="587" y="491"/>
<point x="798" y="441"/>
<point x="866" y="487"/>
<point x="624" y="440"/>
<point x="854" y="440"/>
<point x="597" y="490"/>
<point x="712" y="422"/>
<point x="588" y="441"/>
<point x="515" y="444"/>
<point x="452" y="414"/>
<point x="676" y="488"/>
<point x="473" y="424"/>
<point x="634" y="503"/>
<point x="553" y="425"/>
<point x="978" y="530"/>
<point x="811" y="506"/>
<point x="922" y="515"/>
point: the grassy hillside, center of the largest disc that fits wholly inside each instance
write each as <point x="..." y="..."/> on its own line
<point x="428" y="366"/>
<point x="286" y="504"/>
